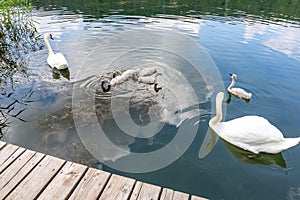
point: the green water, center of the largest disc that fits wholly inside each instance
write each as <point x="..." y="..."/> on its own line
<point x="258" y="40"/>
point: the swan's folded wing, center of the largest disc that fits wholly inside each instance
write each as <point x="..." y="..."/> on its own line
<point x="251" y="130"/>
<point x="57" y="60"/>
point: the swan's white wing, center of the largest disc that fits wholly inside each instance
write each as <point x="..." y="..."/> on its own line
<point x="57" y="60"/>
<point x="240" y="93"/>
<point x="251" y="130"/>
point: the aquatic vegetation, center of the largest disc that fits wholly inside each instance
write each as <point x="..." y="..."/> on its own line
<point x="18" y="37"/>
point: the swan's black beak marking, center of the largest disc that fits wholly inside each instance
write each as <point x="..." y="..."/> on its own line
<point x="230" y="74"/>
<point x="51" y="37"/>
<point x="105" y="85"/>
<point x="156" y="88"/>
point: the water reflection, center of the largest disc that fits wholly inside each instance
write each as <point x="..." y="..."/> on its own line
<point x="283" y="38"/>
<point x="248" y="158"/>
<point x="239" y="154"/>
<point x="56" y="74"/>
<point x="228" y="100"/>
<point x="18" y="37"/>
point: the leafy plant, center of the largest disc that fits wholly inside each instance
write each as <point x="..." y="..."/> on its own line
<point x="18" y="37"/>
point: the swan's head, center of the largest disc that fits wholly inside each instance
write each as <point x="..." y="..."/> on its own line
<point x="105" y="85"/>
<point x="48" y="35"/>
<point x="116" y="73"/>
<point x="156" y="87"/>
<point x="233" y="76"/>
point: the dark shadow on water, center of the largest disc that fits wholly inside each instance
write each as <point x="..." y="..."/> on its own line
<point x="58" y="73"/>
<point x="230" y="96"/>
<point x="243" y="156"/>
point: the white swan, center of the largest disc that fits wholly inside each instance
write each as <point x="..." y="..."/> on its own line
<point x="239" y="92"/>
<point x="252" y="133"/>
<point x="148" y="71"/>
<point x="118" y="79"/>
<point x="56" y="60"/>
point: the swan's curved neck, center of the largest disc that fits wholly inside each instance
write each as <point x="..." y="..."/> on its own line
<point x="218" y="116"/>
<point x="232" y="84"/>
<point x="48" y="46"/>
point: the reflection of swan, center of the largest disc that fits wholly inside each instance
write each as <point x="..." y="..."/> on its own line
<point x="239" y="92"/>
<point x="246" y="157"/>
<point x="54" y="60"/>
<point x="208" y="143"/>
<point x="57" y="73"/>
<point x="229" y="98"/>
<point x="252" y="133"/>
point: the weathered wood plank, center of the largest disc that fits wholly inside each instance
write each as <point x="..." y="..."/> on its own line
<point x="26" y="174"/>
<point x="2" y="144"/>
<point x="168" y="194"/>
<point x="11" y="158"/>
<point x="180" y="196"/>
<point x="6" y="152"/>
<point x="17" y="171"/>
<point x="147" y="192"/>
<point x="37" y="179"/>
<point x="63" y="183"/>
<point x="136" y="190"/>
<point x="198" y="198"/>
<point x="117" y="188"/>
<point x="91" y="185"/>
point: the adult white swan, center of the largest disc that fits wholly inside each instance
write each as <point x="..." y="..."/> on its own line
<point x="252" y="133"/>
<point x="239" y="92"/>
<point x="55" y="60"/>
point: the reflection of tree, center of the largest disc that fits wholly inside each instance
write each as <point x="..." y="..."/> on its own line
<point x="18" y="37"/>
<point x="269" y="9"/>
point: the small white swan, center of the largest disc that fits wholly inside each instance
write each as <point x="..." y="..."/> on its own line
<point x="118" y="79"/>
<point x="56" y="60"/>
<point x="252" y="133"/>
<point x="148" y="71"/>
<point x="148" y="79"/>
<point x="239" y="92"/>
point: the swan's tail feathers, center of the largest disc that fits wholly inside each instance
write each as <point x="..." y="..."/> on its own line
<point x="289" y="142"/>
<point x="250" y="95"/>
<point x="277" y="147"/>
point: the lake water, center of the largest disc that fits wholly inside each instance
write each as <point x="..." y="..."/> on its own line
<point x="159" y="137"/>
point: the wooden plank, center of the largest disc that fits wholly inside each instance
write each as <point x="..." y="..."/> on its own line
<point x="11" y="158"/>
<point x="148" y="191"/>
<point x="37" y="179"/>
<point x="180" y="196"/>
<point x="91" y="185"/>
<point x="17" y="171"/>
<point x="2" y="144"/>
<point x="136" y="190"/>
<point x="168" y="194"/>
<point x="6" y="152"/>
<point x="198" y="198"/>
<point x="117" y="188"/>
<point x="63" y="183"/>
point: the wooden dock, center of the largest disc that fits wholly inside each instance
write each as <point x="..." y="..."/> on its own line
<point x="26" y="174"/>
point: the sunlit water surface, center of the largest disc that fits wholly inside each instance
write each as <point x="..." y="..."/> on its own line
<point x="265" y="55"/>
